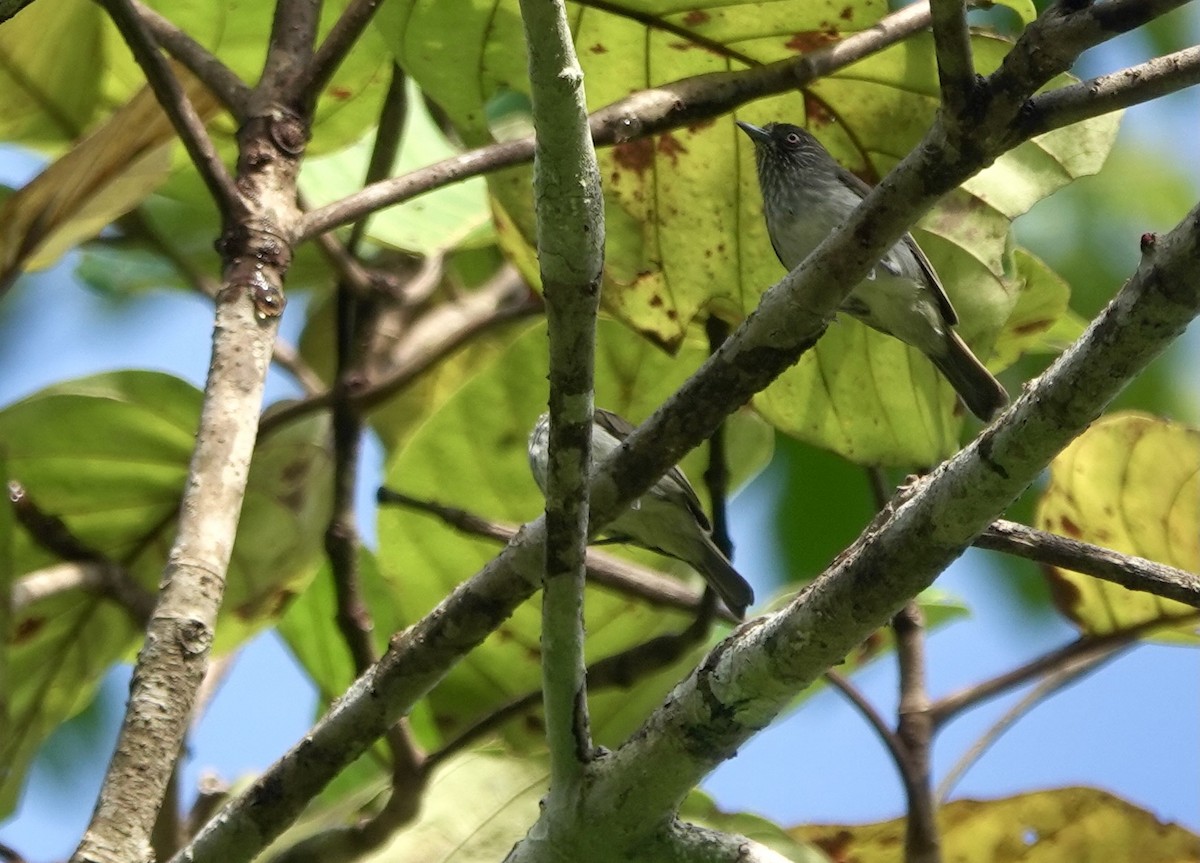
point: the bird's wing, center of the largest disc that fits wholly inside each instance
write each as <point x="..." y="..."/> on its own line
<point x="931" y="278"/>
<point x="620" y="428"/>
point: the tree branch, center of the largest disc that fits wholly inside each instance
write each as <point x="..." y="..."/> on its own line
<point x="872" y="716"/>
<point x="605" y="570"/>
<point x="1066" y="673"/>
<point x="1132" y="86"/>
<point x="659" y="109"/>
<point x="945" y="709"/>
<point x="956" y="66"/>
<point x="914" y="730"/>
<point x="1134" y="573"/>
<point x="290" y="53"/>
<point x="341" y="38"/>
<point x="178" y="108"/>
<point x="570" y="247"/>
<point x="771" y="658"/>
<point x="233" y="92"/>
<point x="431" y="339"/>
<point x="256" y="254"/>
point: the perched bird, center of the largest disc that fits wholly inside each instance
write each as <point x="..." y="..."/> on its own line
<point x="806" y="194"/>
<point x="667" y="519"/>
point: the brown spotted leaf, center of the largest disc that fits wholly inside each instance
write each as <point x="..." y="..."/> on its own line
<point x="683" y="212"/>
<point x="1130" y="483"/>
<point x="1042" y="827"/>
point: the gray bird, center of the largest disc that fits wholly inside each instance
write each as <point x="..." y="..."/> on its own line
<point x="806" y="194"/>
<point x="667" y="519"/>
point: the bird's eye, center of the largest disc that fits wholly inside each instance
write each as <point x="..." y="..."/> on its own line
<point x="793" y="139"/>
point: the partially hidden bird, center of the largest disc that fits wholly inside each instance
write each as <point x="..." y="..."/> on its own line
<point x="667" y="519"/>
<point x="806" y="195"/>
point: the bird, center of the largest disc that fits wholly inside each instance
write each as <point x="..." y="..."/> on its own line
<point x="806" y="195"/>
<point x="667" y="519"/>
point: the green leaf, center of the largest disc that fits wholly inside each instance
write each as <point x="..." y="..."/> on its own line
<point x="1040" y="322"/>
<point x="475" y="807"/>
<point x="1130" y="483"/>
<point x="108" y="455"/>
<point x="48" y="102"/>
<point x="471" y="453"/>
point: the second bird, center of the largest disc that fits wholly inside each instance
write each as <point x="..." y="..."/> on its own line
<point x="806" y="195"/>
<point x="668" y="518"/>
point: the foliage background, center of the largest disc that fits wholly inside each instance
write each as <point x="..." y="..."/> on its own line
<point x="822" y="764"/>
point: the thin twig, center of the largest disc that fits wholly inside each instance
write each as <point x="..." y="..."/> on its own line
<point x="231" y="90"/>
<point x="606" y="570"/>
<point x="356" y="318"/>
<point x="102" y="578"/>
<point x="1071" y="670"/>
<point x="340" y="39"/>
<point x="431" y="339"/>
<point x="946" y="708"/>
<point x="716" y="474"/>
<point x="388" y="132"/>
<point x="1134" y="573"/>
<point x="873" y="717"/>
<point x="85" y="568"/>
<point x="178" y="108"/>
<point x="285" y="355"/>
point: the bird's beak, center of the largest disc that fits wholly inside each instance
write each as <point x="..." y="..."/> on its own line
<point x="757" y="134"/>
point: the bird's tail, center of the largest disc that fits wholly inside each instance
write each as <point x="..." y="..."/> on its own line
<point x="723" y="578"/>
<point x="981" y="393"/>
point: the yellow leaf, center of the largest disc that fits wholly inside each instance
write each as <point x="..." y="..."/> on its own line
<point x="1130" y="483"/>
<point x="1042" y="827"/>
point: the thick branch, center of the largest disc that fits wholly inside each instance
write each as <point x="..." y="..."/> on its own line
<point x="755" y="673"/>
<point x="1132" y="86"/>
<point x="172" y="662"/>
<point x="1135" y="573"/>
<point x="570" y="245"/>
